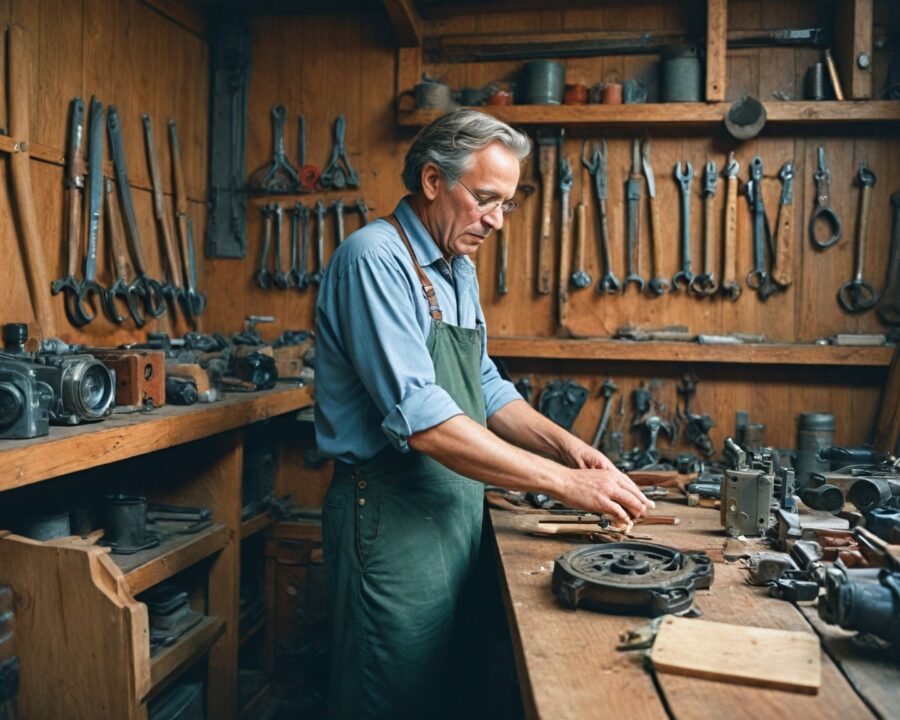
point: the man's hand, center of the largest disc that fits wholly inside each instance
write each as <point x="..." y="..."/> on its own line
<point x="604" y="490"/>
<point x="578" y="454"/>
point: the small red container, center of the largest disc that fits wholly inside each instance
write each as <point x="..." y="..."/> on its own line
<point x="576" y="94"/>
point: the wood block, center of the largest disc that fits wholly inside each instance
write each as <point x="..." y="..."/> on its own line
<point x="764" y="657"/>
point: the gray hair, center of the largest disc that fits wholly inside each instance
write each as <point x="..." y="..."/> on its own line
<point x="449" y="142"/>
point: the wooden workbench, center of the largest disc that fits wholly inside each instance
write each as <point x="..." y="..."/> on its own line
<point x="568" y="666"/>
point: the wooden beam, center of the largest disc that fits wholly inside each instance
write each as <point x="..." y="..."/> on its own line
<point x="716" y="49"/>
<point x="409" y="70"/>
<point x="180" y="14"/>
<point x="853" y="41"/>
<point x="406" y="22"/>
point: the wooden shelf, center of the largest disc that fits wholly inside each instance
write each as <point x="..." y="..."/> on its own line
<point x="71" y="449"/>
<point x="681" y="114"/>
<point x="189" y="648"/>
<point x="148" y="567"/>
<point x="257" y="523"/>
<point x="652" y="351"/>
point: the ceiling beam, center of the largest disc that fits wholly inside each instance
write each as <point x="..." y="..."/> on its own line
<point x="406" y="21"/>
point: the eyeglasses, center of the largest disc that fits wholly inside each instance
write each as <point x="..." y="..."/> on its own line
<point x="488" y="206"/>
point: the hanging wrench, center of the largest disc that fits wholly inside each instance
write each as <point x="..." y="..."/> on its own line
<point x="502" y="261"/>
<point x="363" y="210"/>
<point x="658" y="284"/>
<point x="606" y="389"/>
<point x="758" y="277"/>
<point x="547" y="162"/>
<point x="889" y="309"/>
<point x="303" y="280"/>
<point x="596" y="166"/>
<point x="682" y="279"/>
<point x="633" y="226"/>
<point x="705" y="283"/>
<point x="335" y="176"/>
<point x="581" y="278"/>
<point x="782" y="238"/>
<point x="316" y="277"/>
<point x="731" y="288"/>
<point x="565" y="241"/>
<point x="281" y="277"/>
<point x="294" y="272"/>
<point x="194" y="300"/>
<point x="308" y="175"/>
<point x="264" y="275"/>
<point x="338" y="208"/>
<point x="120" y="290"/>
<point x="857" y="295"/>
<point x="823" y="210"/>
<point x="277" y="175"/>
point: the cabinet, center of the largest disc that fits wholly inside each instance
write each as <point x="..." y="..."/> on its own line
<point x="81" y="630"/>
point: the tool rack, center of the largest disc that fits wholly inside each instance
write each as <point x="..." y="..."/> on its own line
<point x="89" y="640"/>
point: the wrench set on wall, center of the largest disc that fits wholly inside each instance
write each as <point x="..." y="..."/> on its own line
<point x="772" y="243"/>
<point x="133" y="292"/>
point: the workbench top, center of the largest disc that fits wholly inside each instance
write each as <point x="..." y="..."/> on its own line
<point x="568" y="665"/>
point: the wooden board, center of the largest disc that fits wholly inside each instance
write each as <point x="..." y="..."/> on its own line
<point x="763" y="657"/>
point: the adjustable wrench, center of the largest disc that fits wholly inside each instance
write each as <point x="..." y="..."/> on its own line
<point x="281" y="277"/>
<point x="782" y="237"/>
<point x="633" y="227"/>
<point x="682" y="279"/>
<point x="658" y="284"/>
<point x="731" y="288"/>
<point x="889" y="309"/>
<point x="264" y="275"/>
<point x="316" y="277"/>
<point x="758" y="277"/>
<point x="705" y="283"/>
<point x="596" y="166"/>
<point x="338" y="208"/>
<point x="857" y="295"/>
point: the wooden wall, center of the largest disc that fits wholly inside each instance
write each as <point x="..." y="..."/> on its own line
<point x="128" y="55"/>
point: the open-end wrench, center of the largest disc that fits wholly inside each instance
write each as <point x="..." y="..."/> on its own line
<point x="633" y="224"/>
<point x="596" y="166"/>
<point x="277" y="175"/>
<point x="303" y="280"/>
<point x="334" y="175"/>
<point x="502" y="261"/>
<point x="338" y="208"/>
<point x="706" y="283"/>
<point x="606" y="390"/>
<point x="308" y="175"/>
<point x="857" y="294"/>
<point x="120" y="290"/>
<point x="263" y="274"/>
<point x="294" y="272"/>
<point x="681" y="280"/>
<point x="823" y="212"/>
<point x="149" y="289"/>
<point x="889" y="309"/>
<point x="75" y="172"/>
<point x="658" y="284"/>
<point x="731" y="288"/>
<point x="363" y="211"/>
<point x="758" y="278"/>
<point x="566" y="179"/>
<point x="319" y="273"/>
<point x="280" y="278"/>
<point x="194" y="300"/>
<point x="782" y="238"/>
<point x="581" y="278"/>
<point x="89" y="288"/>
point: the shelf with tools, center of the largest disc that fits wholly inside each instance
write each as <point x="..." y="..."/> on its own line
<point x="257" y="523"/>
<point x="190" y="647"/>
<point x="659" y="351"/>
<point x="683" y="115"/>
<point x="71" y="449"/>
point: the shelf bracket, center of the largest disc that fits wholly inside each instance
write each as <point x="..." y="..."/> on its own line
<point x="716" y="49"/>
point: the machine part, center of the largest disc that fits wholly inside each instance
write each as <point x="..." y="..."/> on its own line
<point x="823" y="213"/>
<point x="335" y="175"/>
<point x="681" y="280"/>
<point x="596" y="166"/>
<point x="782" y="238"/>
<point x="815" y="431"/>
<point x="83" y="388"/>
<point x="889" y="307"/>
<point x="869" y="493"/>
<point x="750" y="435"/>
<point x="632" y="223"/>
<point x="126" y="525"/>
<point x="794" y="589"/>
<point x="658" y="284"/>
<point x="229" y="55"/>
<point x="140" y="375"/>
<point x="565" y="178"/>
<point x="148" y="288"/>
<point x="183" y="520"/>
<point x="705" y="283"/>
<point x="263" y="274"/>
<point x="731" y="288"/>
<point x="843" y="456"/>
<point x="562" y="401"/>
<point x="606" y="390"/>
<point x="766" y="567"/>
<point x="746" y="502"/>
<point x="631" y="578"/>
<point x="121" y="289"/>
<point x="547" y="163"/>
<point x="884" y="523"/>
<point x="280" y="276"/>
<point x="824" y="497"/>
<point x="758" y="278"/>
<point x="181" y="390"/>
<point x="277" y="175"/>
<point x="857" y="294"/>
<point x="194" y="301"/>
<point x="863" y="606"/>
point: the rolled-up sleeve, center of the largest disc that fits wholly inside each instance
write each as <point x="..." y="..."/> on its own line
<point x="387" y="348"/>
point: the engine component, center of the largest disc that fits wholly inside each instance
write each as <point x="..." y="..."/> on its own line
<point x="631" y="578"/>
<point x="824" y="497"/>
<point x="864" y="606"/>
<point x="766" y="567"/>
<point x="126" y="525"/>
<point x="746" y="502"/>
<point x="140" y="376"/>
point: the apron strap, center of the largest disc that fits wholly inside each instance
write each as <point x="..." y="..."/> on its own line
<point x="427" y="288"/>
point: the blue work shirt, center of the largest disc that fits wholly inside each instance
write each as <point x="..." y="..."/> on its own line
<point x="374" y="376"/>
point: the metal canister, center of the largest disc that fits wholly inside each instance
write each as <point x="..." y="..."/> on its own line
<point x="46" y="527"/>
<point x="751" y="435"/>
<point x="816" y="88"/>
<point x="815" y="430"/>
<point x="681" y="76"/>
<point x="542" y="83"/>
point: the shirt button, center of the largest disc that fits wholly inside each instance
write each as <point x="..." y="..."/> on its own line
<point x="361" y="484"/>
<point x="362" y="501"/>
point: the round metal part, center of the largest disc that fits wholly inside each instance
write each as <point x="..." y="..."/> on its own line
<point x="12" y="402"/>
<point x="630" y="578"/>
<point x="88" y="389"/>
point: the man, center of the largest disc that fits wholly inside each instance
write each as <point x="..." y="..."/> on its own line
<point x="414" y="412"/>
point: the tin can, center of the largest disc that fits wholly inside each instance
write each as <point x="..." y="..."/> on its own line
<point x="681" y="77"/>
<point x="815" y="430"/>
<point x="542" y="83"/>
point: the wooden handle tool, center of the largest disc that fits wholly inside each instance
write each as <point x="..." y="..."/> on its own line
<point x="547" y="163"/>
<point x="730" y="287"/>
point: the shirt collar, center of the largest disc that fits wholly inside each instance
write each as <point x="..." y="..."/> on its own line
<point x="425" y="248"/>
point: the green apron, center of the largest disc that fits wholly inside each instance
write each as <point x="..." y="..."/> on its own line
<point x="402" y="538"/>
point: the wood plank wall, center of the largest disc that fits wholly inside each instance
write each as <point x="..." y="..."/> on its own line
<point x="128" y="55"/>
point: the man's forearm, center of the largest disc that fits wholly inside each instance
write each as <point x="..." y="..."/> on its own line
<point x="520" y="424"/>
